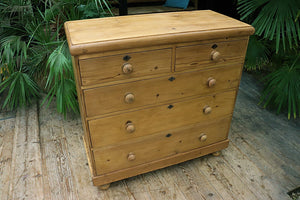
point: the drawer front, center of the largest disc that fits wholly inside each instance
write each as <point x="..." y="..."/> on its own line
<point x="197" y="56"/>
<point x="126" y="126"/>
<point x="159" y="146"/>
<point x="124" y="66"/>
<point x="152" y="91"/>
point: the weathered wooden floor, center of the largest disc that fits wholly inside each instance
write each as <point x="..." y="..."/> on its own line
<point x="42" y="157"/>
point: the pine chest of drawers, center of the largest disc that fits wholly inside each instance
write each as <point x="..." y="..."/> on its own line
<point x="157" y="89"/>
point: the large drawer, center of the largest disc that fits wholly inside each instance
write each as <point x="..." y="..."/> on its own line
<point x="124" y="66"/>
<point x="211" y="54"/>
<point x="126" y="126"/>
<point x="113" y="98"/>
<point x="160" y="146"/>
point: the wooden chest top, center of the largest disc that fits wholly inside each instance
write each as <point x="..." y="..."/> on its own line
<point x="115" y="33"/>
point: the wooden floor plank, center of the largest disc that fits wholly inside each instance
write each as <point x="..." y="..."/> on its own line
<point x="268" y="144"/>
<point x="258" y="182"/>
<point x="26" y="181"/>
<point x="137" y="187"/>
<point x="119" y="190"/>
<point x="58" y="176"/>
<point x="57" y="168"/>
<point x="225" y="180"/>
<point x="168" y="175"/>
<point x="160" y="187"/>
<point x="272" y="167"/>
<point x="248" y="108"/>
<point x="78" y="161"/>
<point x="53" y="121"/>
<point x="6" y="147"/>
<point x="34" y="182"/>
<point x="192" y="182"/>
<point x="263" y="134"/>
<point x="18" y="174"/>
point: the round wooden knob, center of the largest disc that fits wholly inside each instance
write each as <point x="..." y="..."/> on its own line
<point x="203" y="137"/>
<point x="211" y="82"/>
<point x="131" y="156"/>
<point x="127" y="68"/>
<point x="130" y="128"/>
<point x="215" y="55"/>
<point x="207" y="109"/>
<point x="129" y="98"/>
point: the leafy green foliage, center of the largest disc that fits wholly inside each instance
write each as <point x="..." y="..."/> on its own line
<point x="21" y="90"/>
<point x="277" y="27"/>
<point x="33" y="51"/>
<point x="60" y="80"/>
<point x="274" y="19"/>
<point x="257" y="54"/>
<point x="283" y="88"/>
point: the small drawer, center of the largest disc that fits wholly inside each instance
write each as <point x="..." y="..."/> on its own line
<point x="160" y="146"/>
<point x="197" y="56"/>
<point x="124" y="66"/>
<point x="131" y="95"/>
<point x="114" y="129"/>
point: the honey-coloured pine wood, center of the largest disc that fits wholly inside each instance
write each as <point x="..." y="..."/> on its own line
<point x="125" y="32"/>
<point x="124" y="66"/>
<point x="197" y="56"/>
<point x="158" y="164"/>
<point x="160" y="118"/>
<point x="155" y="90"/>
<point x="154" y="147"/>
<point x="169" y="87"/>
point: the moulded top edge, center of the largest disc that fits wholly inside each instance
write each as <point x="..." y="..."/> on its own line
<point x="92" y="35"/>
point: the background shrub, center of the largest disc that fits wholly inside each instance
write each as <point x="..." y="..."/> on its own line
<point x="275" y="49"/>
<point x="34" y="54"/>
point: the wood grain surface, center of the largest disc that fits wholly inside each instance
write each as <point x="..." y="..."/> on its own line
<point x="127" y="32"/>
<point x="111" y="130"/>
<point x="199" y="56"/>
<point x="158" y="146"/>
<point x="107" y="99"/>
<point x="104" y="69"/>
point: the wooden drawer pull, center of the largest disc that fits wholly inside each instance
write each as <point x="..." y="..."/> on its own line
<point x="129" y="98"/>
<point x="207" y="110"/>
<point x="211" y="82"/>
<point x="131" y="156"/>
<point x="215" y="55"/>
<point x="130" y="128"/>
<point x="203" y="137"/>
<point x="127" y="68"/>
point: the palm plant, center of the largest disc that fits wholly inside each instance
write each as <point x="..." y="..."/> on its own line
<point x="33" y="50"/>
<point x="283" y="88"/>
<point x="275" y="48"/>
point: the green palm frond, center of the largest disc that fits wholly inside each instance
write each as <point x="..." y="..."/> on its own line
<point x="21" y="90"/>
<point x="104" y="7"/>
<point x="66" y="96"/>
<point x="59" y="64"/>
<point x="257" y="54"/>
<point x="33" y="49"/>
<point x="17" y="10"/>
<point x="282" y="88"/>
<point x="60" y="80"/>
<point x="13" y="52"/>
<point x="274" y="19"/>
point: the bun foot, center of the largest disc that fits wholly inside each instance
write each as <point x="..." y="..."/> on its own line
<point x="104" y="187"/>
<point x="217" y="153"/>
